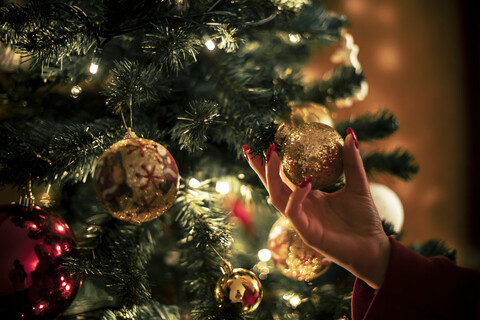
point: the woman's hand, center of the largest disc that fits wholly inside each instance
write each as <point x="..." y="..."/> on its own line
<point x="344" y="225"/>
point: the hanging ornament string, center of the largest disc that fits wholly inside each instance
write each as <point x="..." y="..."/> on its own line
<point x="129" y="128"/>
<point x="225" y="262"/>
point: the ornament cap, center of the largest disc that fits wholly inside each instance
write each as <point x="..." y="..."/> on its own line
<point x="27" y="199"/>
<point x="226" y="267"/>
<point x="130" y="134"/>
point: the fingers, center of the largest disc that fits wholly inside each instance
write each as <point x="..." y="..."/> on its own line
<point x="355" y="176"/>
<point x="279" y="192"/>
<point x="256" y="163"/>
<point x="294" y="207"/>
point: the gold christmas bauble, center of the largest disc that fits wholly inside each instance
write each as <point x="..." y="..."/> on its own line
<point x="291" y="255"/>
<point x="310" y="149"/>
<point x="307" y="112"/>
<point x="238" y="290"/>
<point x="136" y="179"/>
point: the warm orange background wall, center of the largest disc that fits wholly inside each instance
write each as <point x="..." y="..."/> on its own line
<point x="411" y="53"/>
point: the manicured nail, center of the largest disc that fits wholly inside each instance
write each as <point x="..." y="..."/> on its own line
<point x="306" y="182"/>
<point x="350" y="131"/>
<point x="269" y="152"/>
<point x="245" y="151"/>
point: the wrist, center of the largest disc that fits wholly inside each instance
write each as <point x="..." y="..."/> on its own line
<point x="374" y="274"/>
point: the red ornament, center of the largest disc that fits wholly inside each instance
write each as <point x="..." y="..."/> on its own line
<point x="33" y="282"/>
<point x="242" y="212"/>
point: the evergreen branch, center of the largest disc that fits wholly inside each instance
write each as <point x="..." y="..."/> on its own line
<point x="399" y="163"/>
<point x="133" y="80"/>
<point x="313" y="22"/>
<point x="205" y="230"/>
<point x="342" y="83"/>
<point x="370" y="126"/>
<point x="434" y="248"/>
<point x="150" y="310"/>
<point x="124" y="270"/>
<point x="172" y="48"/>
<point x="77" y="147"/>
<point x="45" y="32"/>
<point x="191" y="130"/>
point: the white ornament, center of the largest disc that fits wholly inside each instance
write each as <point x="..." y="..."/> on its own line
<point x="388" y="204"/>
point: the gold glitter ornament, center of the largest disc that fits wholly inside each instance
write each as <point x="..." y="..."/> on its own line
<point x="136" y="179"/>
<point x="238" y="290"/>
<point x="310" y="149"/>
<point x="307" y="112"/>
<point x="291" y="255"/>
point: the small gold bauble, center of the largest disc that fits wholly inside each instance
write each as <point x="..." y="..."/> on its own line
<point x="307" y="112"/>
<point x="238" y="290"/>
<point x="310" y="149"/>
<point x="136" y="179"/>
<point x="291" y="255"/>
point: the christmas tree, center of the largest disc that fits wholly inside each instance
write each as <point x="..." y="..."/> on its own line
<point x="186" y="83"/>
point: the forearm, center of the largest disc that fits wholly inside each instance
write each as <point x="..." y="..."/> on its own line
<point x="416" y="287"/>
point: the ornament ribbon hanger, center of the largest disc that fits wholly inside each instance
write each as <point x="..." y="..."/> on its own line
<point x="225" y="266"/>
<point x="130" y="133"/>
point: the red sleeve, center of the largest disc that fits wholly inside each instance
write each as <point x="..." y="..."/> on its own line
<point x="420" y="288"/>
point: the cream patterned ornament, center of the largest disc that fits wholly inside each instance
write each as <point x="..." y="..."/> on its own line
<point x="136" y="179"/>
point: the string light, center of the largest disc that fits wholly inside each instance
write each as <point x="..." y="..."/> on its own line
<point x="210" y="44"/>
<point x="294" y="37"/>
<point x="97" y="57"/>
<point x="194" y="183"/>
<point x="264" y="255"/>
<point x="222" y="187"/>
<point x="75" y="91"/>
<point x="295" y="301"/>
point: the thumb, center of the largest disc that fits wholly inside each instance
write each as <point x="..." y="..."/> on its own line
<point x="355" y="176"/>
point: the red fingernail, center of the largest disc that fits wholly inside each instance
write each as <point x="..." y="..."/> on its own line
<point x="269" y="152"/>
<point x="306" y="182"/>
<point x="350" y="131"/>
<point x="245" y="151"/>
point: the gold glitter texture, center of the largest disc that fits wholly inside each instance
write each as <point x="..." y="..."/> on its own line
<point x="310" y="149"/>
<point x="291" y="255"/>
<point x="136" y="179"/>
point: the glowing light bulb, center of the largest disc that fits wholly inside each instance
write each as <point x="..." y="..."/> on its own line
<point x="93" y="68"/>
<point x="222" y="187"/>
<point x="194" y="183"/>
<point x="294" y="37"/>
<point x="210" y="44"/>
<point x="60" y="228"/>
<point x="97" y="56"/>
<point x="264" y="255"/>
<point x="295" y="301"/>
<point x="76" y="90"/>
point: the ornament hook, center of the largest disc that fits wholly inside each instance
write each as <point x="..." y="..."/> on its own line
<point x="27" y="199"/>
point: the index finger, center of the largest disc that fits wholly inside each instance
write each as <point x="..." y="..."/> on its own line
<point x="256" y="163"/>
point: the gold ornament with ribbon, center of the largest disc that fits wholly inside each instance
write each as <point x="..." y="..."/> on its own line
<point x="291" y="255"/>
<point x="238" y="290"/>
